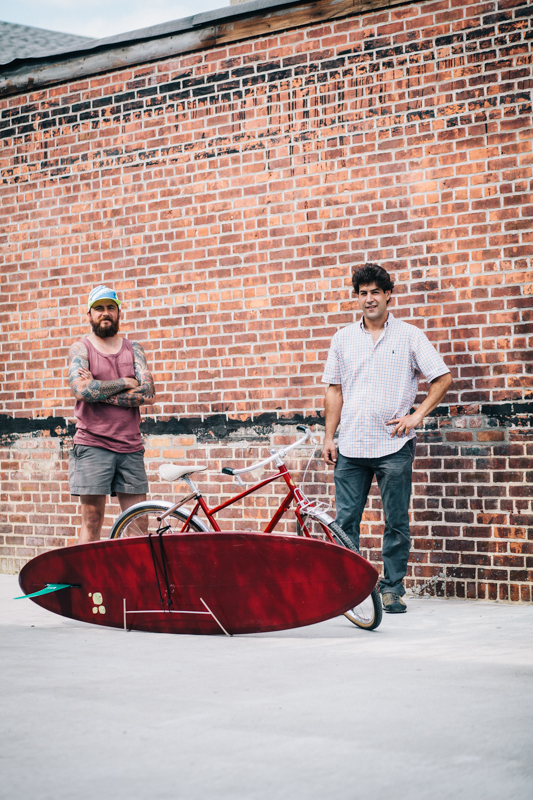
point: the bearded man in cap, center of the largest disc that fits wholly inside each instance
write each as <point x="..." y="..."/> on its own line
<point x="110" y="380"/>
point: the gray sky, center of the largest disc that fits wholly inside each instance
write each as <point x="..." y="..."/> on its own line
<point x="100" y="18"/>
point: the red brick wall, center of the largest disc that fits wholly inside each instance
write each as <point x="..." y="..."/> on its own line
<point x="227" y="195"/>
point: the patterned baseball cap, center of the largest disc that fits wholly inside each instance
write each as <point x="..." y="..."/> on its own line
<point x="102" y="293"/>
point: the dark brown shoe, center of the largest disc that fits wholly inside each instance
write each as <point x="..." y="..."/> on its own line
<point x="393" y="603"/>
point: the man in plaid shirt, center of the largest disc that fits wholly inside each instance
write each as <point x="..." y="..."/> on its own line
<point x="373" y="369"/>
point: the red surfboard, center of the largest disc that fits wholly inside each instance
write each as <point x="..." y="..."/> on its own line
<point x="201" y="582"/>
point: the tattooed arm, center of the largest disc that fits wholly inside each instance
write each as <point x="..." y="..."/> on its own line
<point x="144" y="393"/>
<point x="85" y="387"/>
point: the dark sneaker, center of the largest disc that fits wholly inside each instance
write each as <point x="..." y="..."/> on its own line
<point x="393" y="603"/>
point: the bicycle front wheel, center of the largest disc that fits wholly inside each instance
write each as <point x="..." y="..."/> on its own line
<point x="369" y="613"/>
<point x="142" y="519"/>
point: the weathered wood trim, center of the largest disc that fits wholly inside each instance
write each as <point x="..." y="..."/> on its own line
<point x="61" y="68"/>
<point x="27" y="79"/>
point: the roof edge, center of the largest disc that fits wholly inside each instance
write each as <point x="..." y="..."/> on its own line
<point x="190" y="34"/>
<point x="153" y="31"/>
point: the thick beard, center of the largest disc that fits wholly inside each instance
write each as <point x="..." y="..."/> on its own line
<point x="107" y="332"/>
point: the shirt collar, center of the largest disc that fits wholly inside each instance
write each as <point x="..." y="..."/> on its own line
<point x="390" y="320"/>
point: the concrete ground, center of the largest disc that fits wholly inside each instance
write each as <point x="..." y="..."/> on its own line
<point x="435" y="704"/>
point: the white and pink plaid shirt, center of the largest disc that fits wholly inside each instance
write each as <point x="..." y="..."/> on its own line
<point x="379" y="383"/>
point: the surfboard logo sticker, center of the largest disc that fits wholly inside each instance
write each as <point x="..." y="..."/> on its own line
<point x="98" y="600"/>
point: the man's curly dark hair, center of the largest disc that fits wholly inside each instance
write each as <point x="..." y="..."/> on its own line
<point x="372" y="273"/>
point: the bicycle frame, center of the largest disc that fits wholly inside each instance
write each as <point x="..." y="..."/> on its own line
<point x="293" y="493"/>
<point x="308" y="512"/>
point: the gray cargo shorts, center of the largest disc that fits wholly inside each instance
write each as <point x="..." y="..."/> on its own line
<point x="95" y="470"/>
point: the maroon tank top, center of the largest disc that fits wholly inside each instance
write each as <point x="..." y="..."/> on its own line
<point x="99" y="424"/>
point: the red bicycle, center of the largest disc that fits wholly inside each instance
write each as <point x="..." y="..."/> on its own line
<point x="312" y="519"/>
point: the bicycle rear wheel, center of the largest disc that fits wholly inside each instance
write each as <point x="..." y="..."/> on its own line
<point x="369" y="613"/>
<point x="142" y="519"/>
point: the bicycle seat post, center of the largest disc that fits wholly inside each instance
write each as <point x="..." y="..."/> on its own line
<point x="190" y="483"/>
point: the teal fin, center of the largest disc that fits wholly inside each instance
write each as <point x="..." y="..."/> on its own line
<point x="50" y="587"/>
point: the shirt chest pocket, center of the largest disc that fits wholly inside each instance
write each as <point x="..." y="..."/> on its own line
<point x="124" y="366"/>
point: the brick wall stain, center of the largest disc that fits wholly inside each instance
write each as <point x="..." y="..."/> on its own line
<point x="227" y="195"/>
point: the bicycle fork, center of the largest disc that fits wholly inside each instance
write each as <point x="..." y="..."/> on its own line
<point x="304" y="506"/>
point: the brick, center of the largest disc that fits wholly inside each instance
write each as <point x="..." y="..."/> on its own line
<point x="491" y="436"/>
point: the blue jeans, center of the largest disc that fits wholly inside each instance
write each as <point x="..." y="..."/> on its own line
<point x="353" y="477"/>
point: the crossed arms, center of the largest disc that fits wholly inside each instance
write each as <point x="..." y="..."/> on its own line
<point x="126" y="392"/>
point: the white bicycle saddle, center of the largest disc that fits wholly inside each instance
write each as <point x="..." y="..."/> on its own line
<point x="173" y="472"/>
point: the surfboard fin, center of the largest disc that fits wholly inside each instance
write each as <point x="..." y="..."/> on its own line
<point x="50" y="587"/>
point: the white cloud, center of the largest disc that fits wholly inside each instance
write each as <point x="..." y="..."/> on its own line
<point x="100" y="18"/>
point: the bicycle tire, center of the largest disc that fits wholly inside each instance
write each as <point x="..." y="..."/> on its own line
<point x="369" y="613"/>
<point x="141" y="519"/>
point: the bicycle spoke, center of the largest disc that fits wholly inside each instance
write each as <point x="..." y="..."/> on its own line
<point x="145" y="520"/>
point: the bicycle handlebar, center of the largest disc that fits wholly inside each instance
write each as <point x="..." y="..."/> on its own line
<point x="279" y="454"/>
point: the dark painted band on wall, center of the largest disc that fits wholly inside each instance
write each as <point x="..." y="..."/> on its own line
<point x="221" y="426"/>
